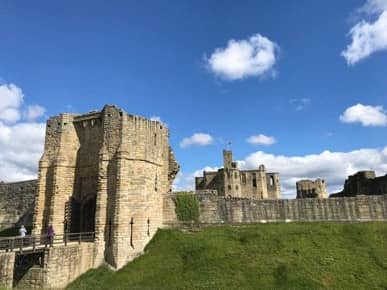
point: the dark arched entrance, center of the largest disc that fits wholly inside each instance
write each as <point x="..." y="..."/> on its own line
<point x="87" y="215"/>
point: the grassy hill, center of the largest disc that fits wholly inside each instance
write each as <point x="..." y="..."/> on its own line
<point x="263" y="256"/>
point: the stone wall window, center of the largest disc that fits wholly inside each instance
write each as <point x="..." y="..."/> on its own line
<point x="271" y="180"/>
<point x="254" y="182"/>
<point x="244" y="178"/>
<point x="229" y="187"/>
<point x="155" y="139"/>
<point x="236" y="175"/>
<point x="236" y="187"/>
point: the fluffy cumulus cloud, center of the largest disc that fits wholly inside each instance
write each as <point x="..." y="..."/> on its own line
<point x="261" y="140"/>
<point x="33" y="112"/>
<point x="255" y="56"/>
<point x="197" y="139"/>
<point x="334" y="167"/>
<point x="11" y="98"/>
<point x="368" y="36"/>
<point x="21" y="139"/>
<point x="366" y="115"/>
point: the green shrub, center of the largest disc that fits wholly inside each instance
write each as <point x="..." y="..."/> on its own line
<point x="187" y="207"/>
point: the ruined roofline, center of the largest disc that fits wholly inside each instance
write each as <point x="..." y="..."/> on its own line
<point x="97" y="114"/>
<point x="240" y="170"/>
<point x="255" y="170"/>
<point x="310" y="180"/>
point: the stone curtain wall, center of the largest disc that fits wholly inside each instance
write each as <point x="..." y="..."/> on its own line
<point x="61" y="266"/>
<point x="215" y="209"/>
<point x="17" y="203"/>
<point x="7" y="261"/>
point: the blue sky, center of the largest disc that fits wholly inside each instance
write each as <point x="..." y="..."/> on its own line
<point x="282" y="71"/>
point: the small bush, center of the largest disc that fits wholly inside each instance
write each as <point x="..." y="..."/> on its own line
<point x="187" y="207"/>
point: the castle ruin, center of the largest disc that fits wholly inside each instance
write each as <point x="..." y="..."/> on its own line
<point x="230" y="181"/>
<point x="363" y="183"/>
<point x="105" y="172"/>
<point x="311" y="189"/>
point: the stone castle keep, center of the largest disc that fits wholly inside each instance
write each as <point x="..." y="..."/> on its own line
<point x="232" y="182"/>
<point x="105" y="172"/>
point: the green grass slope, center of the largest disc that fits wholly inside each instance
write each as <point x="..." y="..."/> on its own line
<point x="263" y="256"/>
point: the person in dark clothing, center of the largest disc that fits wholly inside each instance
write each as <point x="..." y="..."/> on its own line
<point x="50" y="235"/>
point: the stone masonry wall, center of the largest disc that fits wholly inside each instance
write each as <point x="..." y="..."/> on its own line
<point x="215" y="209"/>
<point x="62" y="265"/>
<point x="105" y="172"/>
<point x="17" y="203"/>
<point x="7" y="261"/>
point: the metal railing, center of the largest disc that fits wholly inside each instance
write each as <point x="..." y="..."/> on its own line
<point x="38" y="242"/>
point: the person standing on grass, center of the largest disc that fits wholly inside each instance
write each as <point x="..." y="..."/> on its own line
<point x="22" y="231"/>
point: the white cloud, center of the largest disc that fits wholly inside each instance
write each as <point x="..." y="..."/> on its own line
<point x="261" y="140"/>
<point x="366" y="115"/>
<point x="300" y="103"/>
<point x="368" y="36"/>
<point x="334" y="167"/>
<point x="11" y="98"/>
<point x="255" y="56"/>
<point x="21" y="146"/>
<point x="33" y="112"/>
<point x="372" y="7"/>
<point x="21" y="143"/>
<point x="197" y="139"/>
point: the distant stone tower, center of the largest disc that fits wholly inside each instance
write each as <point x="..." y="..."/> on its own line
<point x="311" y="189"/>
<point x="105" y="172"/>
<point x="230" y="181"/>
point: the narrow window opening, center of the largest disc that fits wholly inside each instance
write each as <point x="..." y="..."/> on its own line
<point x="148" y="222"/>
<point x="110" y="233"/>
<point x="131" y="232"/>
<point x="155" y="139"/>
<point x="271" y="180"/>
<point x="229" y="187"/>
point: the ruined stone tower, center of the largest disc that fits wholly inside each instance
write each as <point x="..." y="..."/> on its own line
<point x="311" y="189"/>
<point x="105" y="172"/>
<point x="233" y="182"/>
